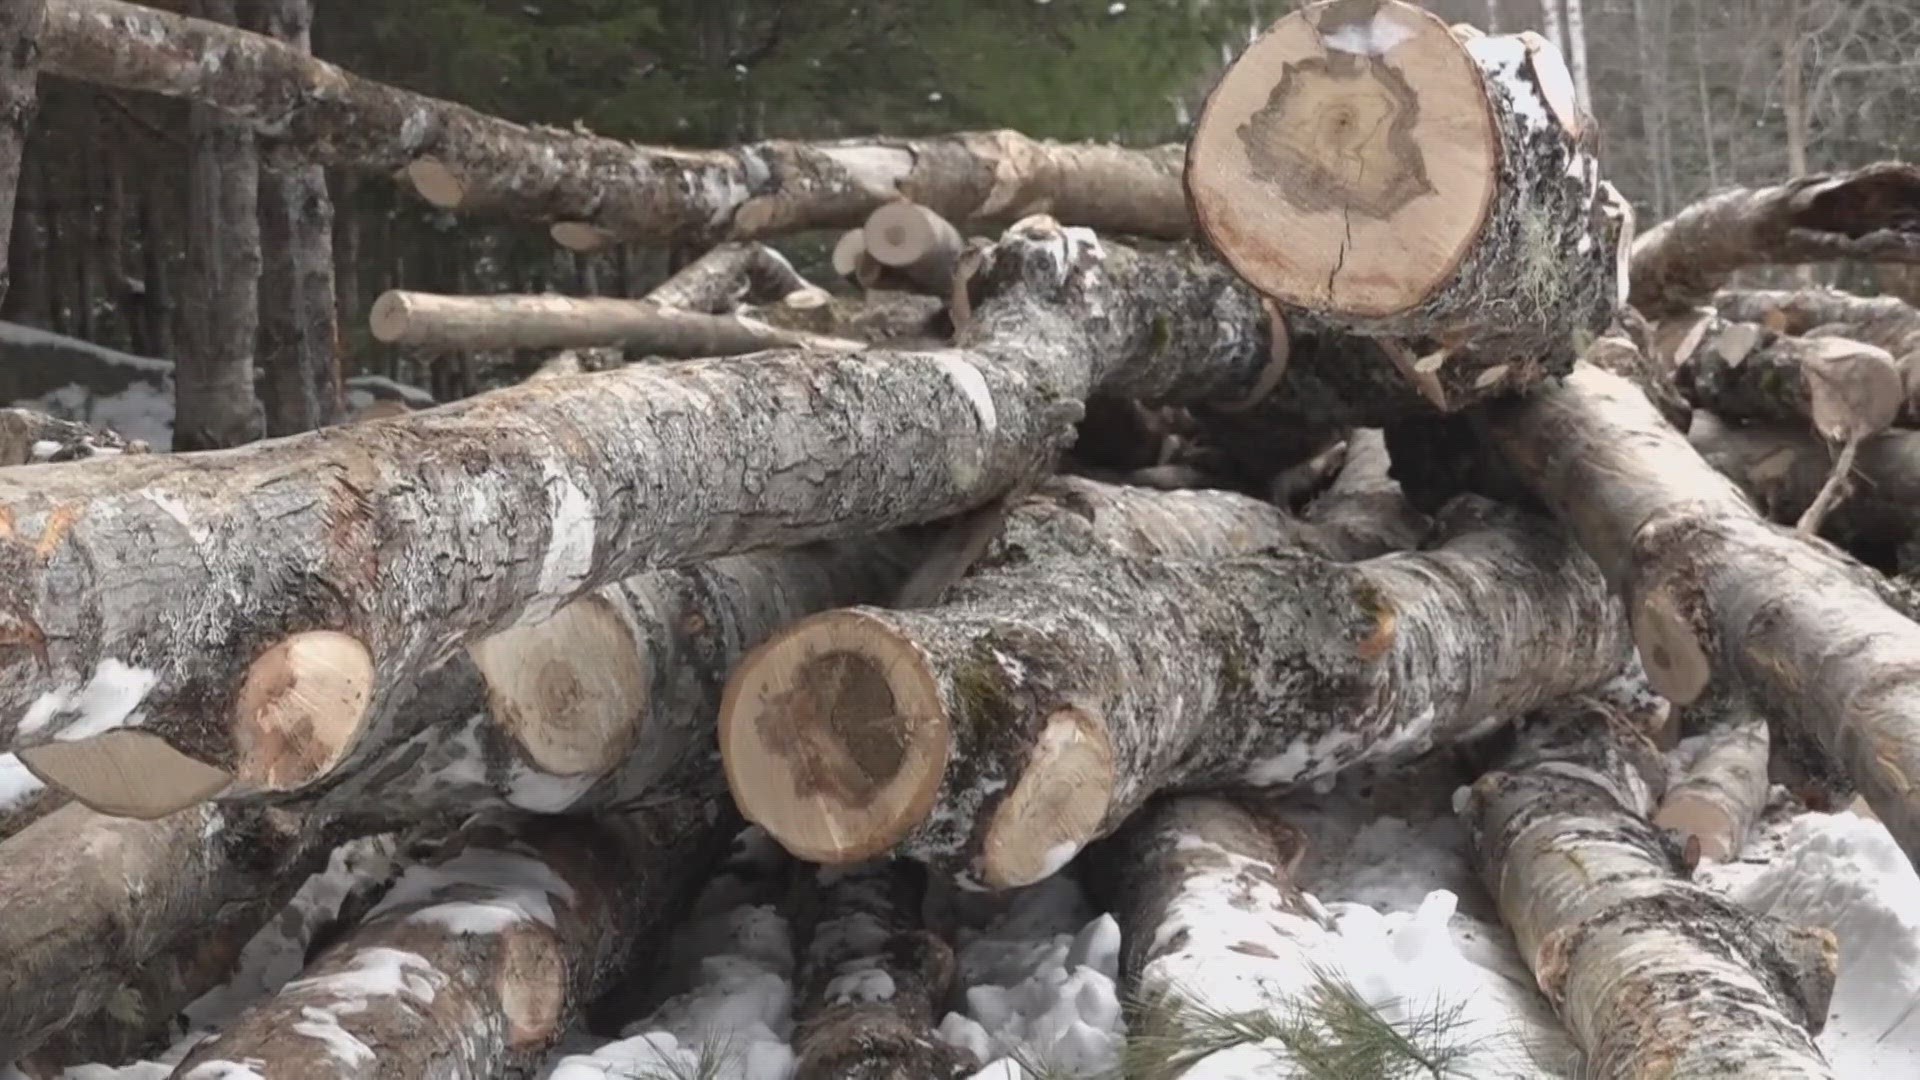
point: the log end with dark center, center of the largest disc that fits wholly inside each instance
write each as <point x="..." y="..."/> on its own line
<point x="1348" y="160"/>
<point x="834" y="737"/>
<point x="571" y="690"/>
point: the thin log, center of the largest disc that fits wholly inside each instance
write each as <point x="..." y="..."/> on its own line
<point x="20" y="30"/>
<point x="1715" y="801"/>
<point x="457" y="158"/>
<point x="1889" y="322"/>
<point x="245" y="623"/>
<point x="29" y="438"/>
<point x="1072" y="678"/>
<point x="476" y="964"/>
<point x="728" y="275"/>
<point x="915" y="241"/>
<point x="1364" y="508"/>
<point x="1718" y="595"/>
<point x="1655" y="976"/>
<point x="1863" y="215"/>
<point x="1845" y="389"/>
<point x="469" y="323"/>
<point x="872" y="981"/>
<point x="87" y="901"/>
<point x="1360" y="162"/>
<point x="897" y="319"/>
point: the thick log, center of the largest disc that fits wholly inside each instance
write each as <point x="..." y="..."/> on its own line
<point x="1715" y="800"/>
<point x="1360" y="162"/>
<point x="1864" y="215"/>
<point x="20" y="22"/>
<point x="29" y="438"/>
<point x="1655" y="976"/>
<point x="574" y="322"/>
<point x="476" y="964"/>
<point x="1716" y="594"/>
<point x="461" y="159"/>
<point x="161" y="642"/>
<point x="728" y="275"/>
<point x="1845" y="389"/>
<point x="995" y="736"/>
<point x="87" y="901"/>
<point x="872" y="981"/>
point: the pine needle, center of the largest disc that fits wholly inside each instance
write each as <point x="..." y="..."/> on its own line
<point x="714" y="1061"/>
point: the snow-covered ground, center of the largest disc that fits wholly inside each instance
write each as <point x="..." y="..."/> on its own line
<point x="1395" y="908"/>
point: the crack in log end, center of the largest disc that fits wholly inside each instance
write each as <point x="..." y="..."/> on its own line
<point x="300" y="709"/>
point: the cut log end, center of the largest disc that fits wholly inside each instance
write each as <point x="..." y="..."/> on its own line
<point x="581" y="236"/>
<point x="1360" y="131"/>
<point x="570" y="690"/>
<point x="1058" y="805"/>
<point x="532" y="980"/>
<point x="834" y="737"/>
<point x="300" y="709"/>
<point x="1676" y="664"/>
<point x="390" y="316"/>
<point x="125" y="773"/>
<point x="1856" y="389"/>
<point x="848" y="252"/>
<point x="436" y="183"/>
<point x="1709" y="832"/>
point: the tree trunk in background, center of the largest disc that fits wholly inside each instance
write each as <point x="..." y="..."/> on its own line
<point x="1550" y="14"/>
<point x="299" y="331"/>
<point x="1576" y="51"/>
<point x="19" y="55"/>
<point x="1652" y="51"/>
<point x="214" y="403"/>
<point x="1493" y="16"/>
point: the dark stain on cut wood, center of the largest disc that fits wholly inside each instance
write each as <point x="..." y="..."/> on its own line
<point x="837" y="726"/>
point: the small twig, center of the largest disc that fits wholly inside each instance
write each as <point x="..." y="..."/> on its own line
<point x="1833" y="491"/>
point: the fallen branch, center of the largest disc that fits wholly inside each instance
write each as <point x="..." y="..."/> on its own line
<point x="457" y="158"/>
<point x="1863" y="215"/>
<point x="1718" y="595"/>
<point x="1654" y="975"/>
<point x="469" y="323"/>
<point x="729" y="275"/>
<point x="996" y="735"/>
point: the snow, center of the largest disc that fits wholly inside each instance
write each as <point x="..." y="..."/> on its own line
<point x="107" y="702"/>
<point x="514" y="888"/>
<point x="141" y="411"/>
<point x="1506" y="59"/>
<point x="21" y="336"/>
<point x="17" y="785"/>
<point x="569" y="555"/>
<point x="974" y="386"/>
<point x="544" y="793"/>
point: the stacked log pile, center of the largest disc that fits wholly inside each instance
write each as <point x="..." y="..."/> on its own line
<point x="1040" y="546"/>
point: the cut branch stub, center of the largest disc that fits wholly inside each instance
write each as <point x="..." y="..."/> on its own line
<point x="1362" y="162"/>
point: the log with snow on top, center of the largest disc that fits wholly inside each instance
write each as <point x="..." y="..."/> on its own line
<point x="161" y="643"/>
<point x="468" y="323"/>
<point x="1864" y="215"/>
<point x="475" y="964"/>
<point x="603" y="189"/>
<point x="872" y="979"/>
<point x="1654" y="975"/>
<point x="1089" y="665"/>
<point x="1362" y="163"/>
<point x="1716" y="594"/>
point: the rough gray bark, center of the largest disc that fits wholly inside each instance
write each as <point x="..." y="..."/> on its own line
<point x="1843" y="389"/>
<point x="1474" y="233"/>
<point x="19" y="62"/>
<point x="462" y="159"/>
<point x="872" y="981"/>
<point x="1889" y="322"/>
<point x="1654" y="975"/>
<point x="475" y="965"/>
<point x="1076" y="675"/>
<point x="87" y="901"/>
<point x="548" y="321"/>
<point x="157" y="580"/>
<point x="1825" y="217"/>
<point x="28" y="438"/>
<point x="1718" y="595"/>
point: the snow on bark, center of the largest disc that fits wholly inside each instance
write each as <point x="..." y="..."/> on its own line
<point x="995" y="736"/>
<point x="24" y="797"/>
<point x="160" y="644"/>
<point x="548" y="321"/>
<point x="461" y="159"/>
<point x="1654" y="975"/>
<point x="1717" y="595"/>
<point x="475" y="964"/>
<point x="1863" y="215"/>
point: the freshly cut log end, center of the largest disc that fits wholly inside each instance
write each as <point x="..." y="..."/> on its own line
<point x="581" y="236"/>
<point x="848" y="252"/>
<point x="569" y="690"/>
<point x="125" y="773"/>
<point x="436" y="182"/>
<point x="300" y="709"/>
<point x="1361" y="162"/>
<point x="1714" y="803"/>
<point x="835" y="737"/>
<point x="914" y="240"/>
<point x="1058" y="805"/>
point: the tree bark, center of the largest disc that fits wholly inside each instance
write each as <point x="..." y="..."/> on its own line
<point x="1718" y="595"/>
<point x="87" y="901"/>
<point x="1077" y="674"/>
<point x="1654" y="975"/>
<point x="20" y="28"/>
<point x="299" y="324"/>
<point x="214" y="402"/>
<point x="1843" y="389"/>
<point x="475" y="965"/>
<point x="1825" y="217"/>
<point x="728" y="275"/>
<point x="469" y="323"/>
<point x="1885" y="321"/>
<point x="160" y="643"/>
<point x="1477" y="235"/>
<point x="872" y="980"/>
<point x="461" y="159"/>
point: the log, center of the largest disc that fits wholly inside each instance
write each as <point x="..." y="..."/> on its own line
<point x="457" y="158"/>
<point x="995" y="736"/>
<point x="1714" y="802"/>
<point x="1654" y="975"/>
<point x="160" y="643"/>
<point x="1364" y="513"/>
<point x="872" y="981"/>
<point x="24" y="799"/>
<point x="30" y="438"/>
<point x="728" y="275"/>
<point x="896" y="319"/>
<point x="548" y="321"/>
<point x="915" y="241"/>
<point x="1845" y="389"/>
<point x="1888" y="322"/>
<point x="1865" y="215"/>
<point x="476" y="964"/>
<point x="1719" y="596"/>
<point x="87" y="901"/>
<point x="1360" y="162"/>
